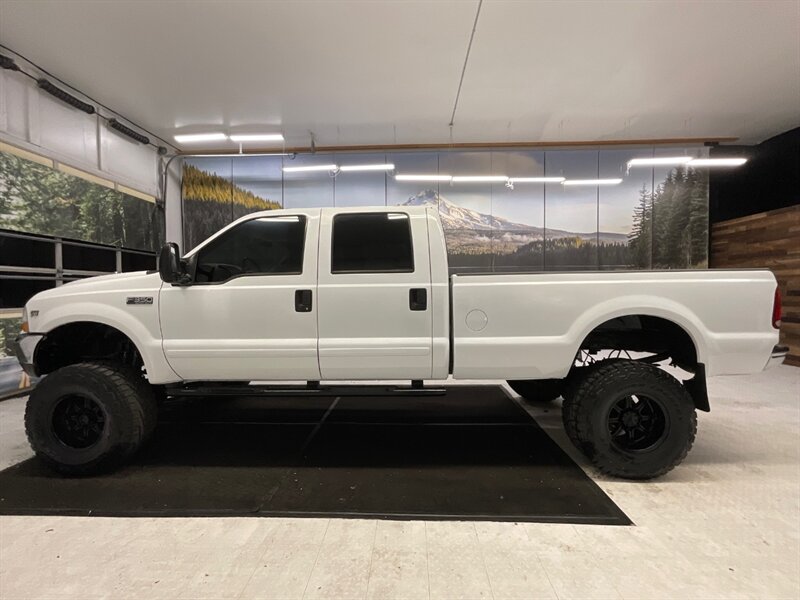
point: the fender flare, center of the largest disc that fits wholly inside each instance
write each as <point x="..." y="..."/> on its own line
<point x="650" y="306"/>
<point x="149" y="347"/>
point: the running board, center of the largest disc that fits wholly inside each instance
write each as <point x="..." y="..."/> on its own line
<point x="303" y="390"/>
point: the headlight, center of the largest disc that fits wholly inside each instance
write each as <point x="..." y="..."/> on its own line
<point x="25" y="328"/>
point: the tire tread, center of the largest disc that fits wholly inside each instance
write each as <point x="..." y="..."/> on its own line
<point x="111" y="380"/>
<point x="596" y="382"/>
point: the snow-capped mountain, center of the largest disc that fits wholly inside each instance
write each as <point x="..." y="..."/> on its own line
<point x="456" y="217"/>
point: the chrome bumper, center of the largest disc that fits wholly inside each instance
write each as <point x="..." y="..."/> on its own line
<point x="24" y="348"/>
<point x="779" y="353"/>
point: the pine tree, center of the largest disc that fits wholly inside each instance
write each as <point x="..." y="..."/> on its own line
<point x="698" y="220"/>
<point x="640" y="238"/>
<point x="677" y="232"/>
<point x="38" y="199"/>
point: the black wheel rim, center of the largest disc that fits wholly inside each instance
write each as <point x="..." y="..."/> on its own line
<point x="637" y="423"/>
<point x="78" y="421"/>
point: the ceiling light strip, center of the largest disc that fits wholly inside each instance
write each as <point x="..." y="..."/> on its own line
<point x="423" y="177"/>
<point x="536" y="179"/>
<point x="307" y="168"/>
<point x="192" y="138"/>
<point x="256" y="137"/>
<point x="658" y="161"/>
<point x="377" y="167"/>
<point x="479" y="178"/>
<point x="717" y="162"/>
<point x="612" y="181"/>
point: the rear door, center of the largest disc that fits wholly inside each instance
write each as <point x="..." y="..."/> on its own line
<point x="374" y="288"/>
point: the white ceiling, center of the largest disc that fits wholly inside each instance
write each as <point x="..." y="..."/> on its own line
<point x="387" y="72"/>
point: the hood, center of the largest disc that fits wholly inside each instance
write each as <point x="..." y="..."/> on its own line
<point x="140" y="281"/>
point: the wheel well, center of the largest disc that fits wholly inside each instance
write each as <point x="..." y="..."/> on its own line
<point x="644" y="333"/>
<point x="85" y="341"/>
<point x="661" y="338"/>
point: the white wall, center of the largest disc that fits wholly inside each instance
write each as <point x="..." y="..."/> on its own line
<point x="34" y="120"/>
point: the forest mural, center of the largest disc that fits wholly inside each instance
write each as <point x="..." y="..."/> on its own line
<point x="39" y="199"/>
<point x="670" y="225"/>
<point x="657" y="218"/>
<point x="211" y="201"/>
<point x="35" y="198"/>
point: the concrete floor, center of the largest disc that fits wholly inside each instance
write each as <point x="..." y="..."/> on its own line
<point x="725" y="524"/>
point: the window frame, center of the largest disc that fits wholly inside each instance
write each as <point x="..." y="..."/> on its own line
<point x="372" y="271"/>
<point x="195" y="258"/>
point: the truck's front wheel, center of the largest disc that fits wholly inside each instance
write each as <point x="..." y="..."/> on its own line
<point x="631" y="419"/>
<point x="87" y="417"/>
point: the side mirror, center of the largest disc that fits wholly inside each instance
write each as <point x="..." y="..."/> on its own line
<point x="170" y="266"/>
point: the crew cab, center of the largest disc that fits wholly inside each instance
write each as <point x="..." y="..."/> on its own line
<point x="364" y="294"/>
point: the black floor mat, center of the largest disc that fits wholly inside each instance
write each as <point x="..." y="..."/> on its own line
<point x="472" y="454"/>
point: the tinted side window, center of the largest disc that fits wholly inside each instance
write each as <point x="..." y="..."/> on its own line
<point x="267" y="246"/>
<point x="372" y="243"/>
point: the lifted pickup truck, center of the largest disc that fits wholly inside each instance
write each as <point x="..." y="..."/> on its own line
<point x="364" y="294"/>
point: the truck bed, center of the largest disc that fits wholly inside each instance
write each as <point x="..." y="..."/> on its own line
<point x="531" y="325"/>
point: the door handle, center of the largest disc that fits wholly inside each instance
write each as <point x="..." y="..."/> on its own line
<point x="302" y="300"/>
<point x="418" y="299"/>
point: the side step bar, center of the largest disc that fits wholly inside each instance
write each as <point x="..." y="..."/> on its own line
<point x="238" y="389"/>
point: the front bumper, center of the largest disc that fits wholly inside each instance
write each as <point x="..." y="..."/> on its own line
<point x="25" y="348"/>
<point x="779" y="353"/>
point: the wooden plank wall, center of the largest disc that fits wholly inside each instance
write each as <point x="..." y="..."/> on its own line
<point x="772" y="240"/>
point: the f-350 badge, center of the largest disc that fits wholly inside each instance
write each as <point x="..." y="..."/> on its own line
<point x="139" y="300"/>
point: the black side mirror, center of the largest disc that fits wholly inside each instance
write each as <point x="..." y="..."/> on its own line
<point x="170" y="266"/>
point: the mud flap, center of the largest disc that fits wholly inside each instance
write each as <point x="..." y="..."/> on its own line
<point x="697" y="388"/>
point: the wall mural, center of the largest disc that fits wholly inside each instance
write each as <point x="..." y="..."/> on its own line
<point x="656" y="218"/>
<point x="35" y="198"/>
<point x="210" y="202"/>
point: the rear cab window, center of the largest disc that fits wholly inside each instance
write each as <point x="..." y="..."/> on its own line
<point x="372" y="243"/>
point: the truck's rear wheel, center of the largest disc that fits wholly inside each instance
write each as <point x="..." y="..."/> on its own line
<point x="571" y="384"/>
<point x="87" y="418"/>
<point x="631" y="419"/>
<point x="537" y="390"/>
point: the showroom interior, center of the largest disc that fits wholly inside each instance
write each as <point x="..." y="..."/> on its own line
<point x="551" y="164"/>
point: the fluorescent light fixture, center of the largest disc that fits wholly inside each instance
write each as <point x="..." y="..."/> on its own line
<point x="536" y="179"/>
<point x="717" y="162"/>
<point x="381" y="167"/>
<point x="423" y="177"/>
<point x="479" y="178"/>
<point x="591" y="181"/>
<point x="309" y="168"/>
<point x="256" y="137"/>
<point x="190" y="138"/>
<point x="658" y="160"/>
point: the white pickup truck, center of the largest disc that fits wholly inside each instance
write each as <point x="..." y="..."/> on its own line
<point x="364" y="294"/>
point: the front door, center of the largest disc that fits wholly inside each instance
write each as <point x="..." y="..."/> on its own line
<point x="374" y="292"/>
<point x="251" y="311"/>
